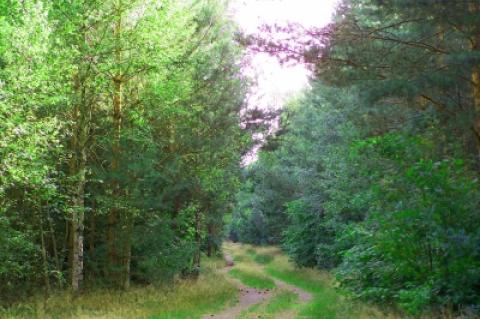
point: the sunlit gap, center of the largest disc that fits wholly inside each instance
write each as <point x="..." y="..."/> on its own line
<point x="275" y="83"/>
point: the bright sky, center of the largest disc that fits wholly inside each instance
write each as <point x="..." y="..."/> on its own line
<point x="276" y="82"/>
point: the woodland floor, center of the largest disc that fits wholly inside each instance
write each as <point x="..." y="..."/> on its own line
<point x="262" y="283"/>
<point x="270" y="287"/>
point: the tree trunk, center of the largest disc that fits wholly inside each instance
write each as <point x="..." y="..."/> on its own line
<point x="113" y="215"/>
<point x="113" y="259"/>
<point x="44" y="258"/>
<point x="198" y="240"/>
<point x="475" y="47"/>
<point x="476" y="102"/>
<point x="127" y="252"/>
<point x="55" y="251"/>
<point x="77" y="169"/>
<point x="92" y="231"/>
<point x="210" y="239"/>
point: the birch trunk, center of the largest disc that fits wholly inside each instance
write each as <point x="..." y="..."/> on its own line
<point x="77" y="172"/>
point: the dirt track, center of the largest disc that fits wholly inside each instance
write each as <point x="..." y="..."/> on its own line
<point x="250" y="296"/>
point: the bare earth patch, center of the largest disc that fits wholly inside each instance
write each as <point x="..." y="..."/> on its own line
<point x="286" y="315"/>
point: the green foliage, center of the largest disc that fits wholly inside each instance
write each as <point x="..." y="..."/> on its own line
<point x="417" y="249"/>
<point x="392" y="213"/>
<point x="301" y="236"/>
<point x="156" y="250"/>
<point x="380" y="157"/>
<point x="122" y="144"/>
<point x="19" y="255"/>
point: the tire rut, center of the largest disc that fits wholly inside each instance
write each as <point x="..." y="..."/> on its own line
<point x="247" y="296"/>
<point x="251" y="296"/>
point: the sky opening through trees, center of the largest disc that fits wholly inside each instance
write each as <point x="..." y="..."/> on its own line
<point x="275" y="82"/>
<point x="340" y="141"/>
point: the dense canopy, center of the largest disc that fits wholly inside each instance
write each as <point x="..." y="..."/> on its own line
<point x="124" y="127"/>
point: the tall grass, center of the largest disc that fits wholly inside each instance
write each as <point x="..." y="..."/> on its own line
<point x="327" y="302"/>
<point x="183" y="299"/>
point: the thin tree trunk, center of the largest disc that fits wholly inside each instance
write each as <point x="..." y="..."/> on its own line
<point x="475" y="47"/>
<point x="476" y="103"/>
<point x="77" y="223"/>
<point x="210" y="239"/>
<point x="198" y="240"/>
<point x="92" y="231"/>
<point x="44" y="259"/>
<point x="55" y="252"/>
<point x="113" y="215"/>
<point x="113" y="260"/>
<point x="81" y="115"/>
<point x="66" y="244"/>
<point x="127" y="252"/>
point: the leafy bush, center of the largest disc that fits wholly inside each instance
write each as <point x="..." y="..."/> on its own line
<point x="419" y="243"/>
<point x="158" y="255"/>
<point x="19" y="257"/>
<point x="302" y="234"/>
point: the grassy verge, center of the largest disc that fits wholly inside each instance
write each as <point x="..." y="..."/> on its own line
<point x="259" y="258"/>
<point x="184" y="299"/>
<point x="252" y="279"/>
<point x="327" y="302"/>
<point x="246" y="270"/>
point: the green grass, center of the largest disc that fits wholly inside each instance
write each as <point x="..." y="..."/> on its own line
<point x="325" y="300"/>
<point x="258" y="257"/>
<point x="238" y="258"/>
<point x="283" y="301"/>
<point x="252" y="279"/>
<point x="263" y="259"/>
<point x="184" y="299"/>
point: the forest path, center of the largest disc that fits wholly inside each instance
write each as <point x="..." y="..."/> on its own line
<point x="282" y="290"/>
<point x="302" y="294"/>
<point x="247" y="296"/>
<point x="258" y="302"/>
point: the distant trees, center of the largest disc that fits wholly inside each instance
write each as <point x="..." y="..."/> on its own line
<point x="381" y="155"/>
<point x="120" y="140"/>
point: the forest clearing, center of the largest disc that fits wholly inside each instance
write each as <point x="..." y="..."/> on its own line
<point x="240" y="159"/>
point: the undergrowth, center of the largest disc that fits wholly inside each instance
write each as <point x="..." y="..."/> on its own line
<point x="183" y="299"/>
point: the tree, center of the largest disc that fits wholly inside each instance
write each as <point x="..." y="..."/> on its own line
<point x="126" y="122"/>
<point x="374" y="149"/>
